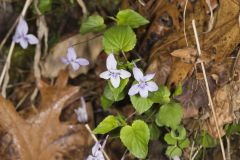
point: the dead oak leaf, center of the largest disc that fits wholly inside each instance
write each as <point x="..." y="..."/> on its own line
<point x="41" y="135"/>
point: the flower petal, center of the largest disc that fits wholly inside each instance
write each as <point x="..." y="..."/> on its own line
<point x="143" y="92"/>
<point x="111" y="62"/>
<point x="90" y="157"/>
<point x="148" y="77"/>
<point x="138" y="75"/>
<point x="82" y="61"/>
<point x="71" y="54"/>
<point x="115" y="81"/>
<point x="105" y="75"/>
<point x="23" y="43"/>
<point x="75" y="65"/>
<point x="64" y="60"/>
<point x="32" y="39"/>
<point x="22" y="27"/>
<point x="124" y="74"/>
<point x="133" y="90"/>
<point x="152" y="86"/>
<point x="17" y="38"/>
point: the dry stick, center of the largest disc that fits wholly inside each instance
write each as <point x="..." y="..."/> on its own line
<point x="208" y="90"/>
<point x="9" y="33"/>
<point x="184" y="22"/>
<point x="8" y="62"/>
<point x="195" y="154"/>
<point x="96" y="140"/>
<point x="84" y="8"/>
<point x="42" y="32"/>
<point x="228" y="148"/>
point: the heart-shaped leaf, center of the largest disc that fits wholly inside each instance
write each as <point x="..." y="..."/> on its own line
<point x="93" y="23"/>
<point x="108" y="124"/>
<point x="131" y="18"/>
<point x="169" y="115"/>
<point x="136" y="138"/>
<point x="141" y="104"/>
<point x="119" y="38"/>
<point x="173" y="151"/>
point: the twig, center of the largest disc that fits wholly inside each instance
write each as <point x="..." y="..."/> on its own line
<point x="96" y="140"/>
<point x="184" y="22"/>
<point x="84" y="8"/>
<point x="208" y="90"/>
<point x="228" y="148"/>
<point x="235" y="63"/>
<point x="42" y="33"/>
<point x="195" y="154"/>
<point x="9" y="33"/>
<point x="8" y="62"/>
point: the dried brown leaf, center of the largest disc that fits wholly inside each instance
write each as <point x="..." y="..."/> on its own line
<point x="41" y="135"/>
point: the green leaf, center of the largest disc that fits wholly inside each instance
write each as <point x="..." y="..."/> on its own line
<point x="119" y="38"/>
<point x="141" y="104"/>
<point x="169" y="139"/>
<point x="118" y="92"/>
<point x="162" y="95"/>
<point x="184" y="143"/>
<point x="169" y="115"/>
<point x="178" y="91"/>
<point x="45" y="5"/>
<point x="232" y="128"/>
<point x="173" y="151"/>
<point x="93" y="23"/>
<point x="206" y="140"/>
<point x="179" y="133"/>
<point x="115" y="94"/>
<point x="136" y="138"/>
<point x="131" y="18"/>
<point x="121" y="119"/>
<point x="108" y="124"/>
<point x="154" y="131"/>
<point x="106" y="103"/>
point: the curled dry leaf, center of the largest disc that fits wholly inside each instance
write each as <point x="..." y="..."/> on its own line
<point x="190" y="55"/>
<point x="41" y="135"/>
<point x="52" y="64"/>
<point x="226" y="102"/>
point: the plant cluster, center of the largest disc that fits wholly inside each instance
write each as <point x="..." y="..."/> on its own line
<point x="154" y="106"/>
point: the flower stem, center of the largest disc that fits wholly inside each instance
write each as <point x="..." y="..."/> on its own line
<point x="124" y="55"/>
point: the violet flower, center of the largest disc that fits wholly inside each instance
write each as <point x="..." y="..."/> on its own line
<point x="72" y="59"/>
<point x="97" y="153"/>
<point x="81" y="112"/>
<point x="113" y="73"/>
<point x="144" y="84"/>
<point x="21" y="35"/>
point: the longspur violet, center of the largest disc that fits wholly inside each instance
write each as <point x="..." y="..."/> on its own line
<point x="21" y="35"/>
<point x="97" y="149"/>
<point x="144" y="84"/>
<point x="113" y="73"/>
<point x="72" y="59"/>
<point x="81" y="112"/>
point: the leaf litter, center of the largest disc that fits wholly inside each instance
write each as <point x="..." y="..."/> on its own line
<point x="164" y="47"/>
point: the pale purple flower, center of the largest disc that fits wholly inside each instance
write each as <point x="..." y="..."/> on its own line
<point x="72" y="59"/>
<point x="97" y="153"/>
<point x="176" y="158"/>
<point x="21" y="35"/>
<point x="144" y="84"/>
<point x="81" y="112"/>
<point x="113" y="73"/>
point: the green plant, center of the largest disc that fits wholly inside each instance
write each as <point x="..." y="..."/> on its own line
<point x="152" y="101"/>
